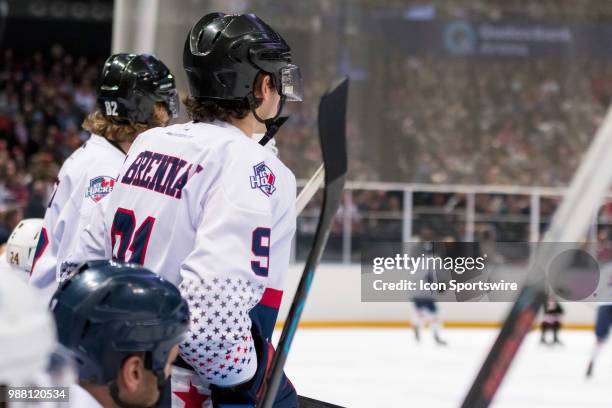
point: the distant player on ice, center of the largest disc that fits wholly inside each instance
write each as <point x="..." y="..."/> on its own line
<point x="425" y="306"/>
<point x="209" y="208"/>
<point x="603" y="322"/>
<point x="603" y="319"/>
<point x="551" y="321"/>
<point x="135" y="93"/>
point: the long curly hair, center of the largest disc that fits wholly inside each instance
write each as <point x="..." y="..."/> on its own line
<point x="106" y="127"/>
<point x="211" y="109"/>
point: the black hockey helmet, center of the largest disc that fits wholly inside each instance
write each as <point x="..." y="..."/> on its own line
<point x="130" y="84"/>
<point x="106" y="310"/>
<point x="224" y="53"/>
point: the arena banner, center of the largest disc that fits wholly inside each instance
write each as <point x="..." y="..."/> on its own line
<point x="499" y="39"/>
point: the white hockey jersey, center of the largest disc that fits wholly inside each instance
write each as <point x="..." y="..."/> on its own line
<point x="6" y="266"/>
<point x="213" y="212"/>
<point x="80" y="398"/>
<point x="85" y="179"/>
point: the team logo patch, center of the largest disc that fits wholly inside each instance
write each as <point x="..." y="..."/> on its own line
<point x="99" y="187"/>
<point x="263" y="179"/>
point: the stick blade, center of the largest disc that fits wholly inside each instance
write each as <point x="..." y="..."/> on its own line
<point x="332" y="129"/>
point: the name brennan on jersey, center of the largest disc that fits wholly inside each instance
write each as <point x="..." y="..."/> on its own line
<point x="160" y="173"/>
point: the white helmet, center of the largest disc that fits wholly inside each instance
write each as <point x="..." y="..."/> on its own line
<point x="21" y="245"/>
<point x="27" y="331"/>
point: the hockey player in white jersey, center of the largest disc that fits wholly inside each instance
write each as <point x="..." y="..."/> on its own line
<point x="212" y="210"/>
<point x="135" y="93"/>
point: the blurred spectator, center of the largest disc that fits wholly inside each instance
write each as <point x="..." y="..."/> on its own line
<point x="412" y="118"/>
<point x="43" y="100"/>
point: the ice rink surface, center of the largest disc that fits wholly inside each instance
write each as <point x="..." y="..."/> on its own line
<point x="388" y="368"/>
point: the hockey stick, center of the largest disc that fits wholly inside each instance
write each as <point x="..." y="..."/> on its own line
<point x="570" y="223"/>
<point x="332" y="136"/>
<point x="309" y="190"/>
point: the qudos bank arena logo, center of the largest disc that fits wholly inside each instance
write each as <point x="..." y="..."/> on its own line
<point x="263" y="179"/>
<point x="100" y="187"/>
<point x="460" y="38"/>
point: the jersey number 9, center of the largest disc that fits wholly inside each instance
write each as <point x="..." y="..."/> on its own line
<point x="261" y="249"/>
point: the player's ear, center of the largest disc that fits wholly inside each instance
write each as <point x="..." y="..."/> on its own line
<point x="131" y="373"/>
<point x="267" y="85"/>
<point x="263" y="87"/>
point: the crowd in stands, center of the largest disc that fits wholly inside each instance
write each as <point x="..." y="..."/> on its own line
<point x="513" y="122"/>
<point x="43" y="100"/>
<point x="465" y="121"/>
<point x="523" y="122"/>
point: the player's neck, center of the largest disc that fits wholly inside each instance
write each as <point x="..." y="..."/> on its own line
<point x="100" y="393"/>
<point x="125" y="146"/>
<point x="246" y="124"/>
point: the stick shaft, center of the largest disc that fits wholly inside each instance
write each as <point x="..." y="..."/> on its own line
<point x="332" y="138"/>
<point x="309" y="190"/>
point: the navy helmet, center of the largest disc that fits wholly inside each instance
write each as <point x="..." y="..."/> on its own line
<point x="106" y="311"/>
<point x="131" y="84"/>
<point x="224" y="53"/>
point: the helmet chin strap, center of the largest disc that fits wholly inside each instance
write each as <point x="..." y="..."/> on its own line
<point x="272" y="124"/>
<point x="272" y="127"/>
